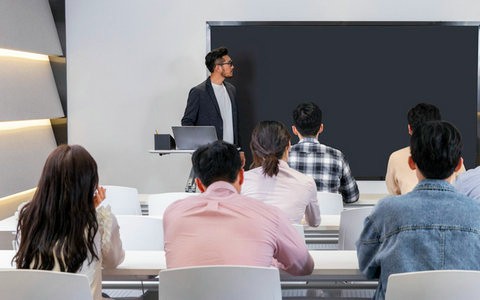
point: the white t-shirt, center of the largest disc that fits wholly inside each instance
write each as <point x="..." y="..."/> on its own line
<point x="225" y="105"/>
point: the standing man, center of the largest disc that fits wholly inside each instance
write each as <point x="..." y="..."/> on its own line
<point x="212" y="102"/>
<point x="433" y="227"/>
<point x="325" y="164"/>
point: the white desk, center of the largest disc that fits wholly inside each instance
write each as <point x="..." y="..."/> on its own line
<point x="9" y="224"/>
<point x="173" y="151"/>
<point x="190" y="186"/>
<point x="327" y="223"/>
<point x="367" y="200"/>
<point x="329" y="266"/>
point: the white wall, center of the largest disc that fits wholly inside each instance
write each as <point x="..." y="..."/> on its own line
<point x="130" y="65"/>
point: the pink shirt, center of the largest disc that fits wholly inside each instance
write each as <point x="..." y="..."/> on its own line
<point x="221" y="227"/>
<point x="291" y="191"/>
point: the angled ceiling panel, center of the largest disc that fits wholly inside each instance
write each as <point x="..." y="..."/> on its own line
<point x="27" y="90"/>
<point x="28" y="25"/>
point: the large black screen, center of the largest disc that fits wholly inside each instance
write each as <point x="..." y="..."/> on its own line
<point x="364" y="77"/>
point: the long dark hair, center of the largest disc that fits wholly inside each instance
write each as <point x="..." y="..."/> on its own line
<point x="268" y="144"/>
<point x="60" y="222"/>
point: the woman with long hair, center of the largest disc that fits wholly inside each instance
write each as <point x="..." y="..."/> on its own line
<point x="63" y="228"/>
<point x="271" y="180"/>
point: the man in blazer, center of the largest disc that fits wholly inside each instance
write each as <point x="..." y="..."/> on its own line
<point x="212" y="102"/>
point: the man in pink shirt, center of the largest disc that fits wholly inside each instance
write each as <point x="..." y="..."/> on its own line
<point x="222" y="227"/>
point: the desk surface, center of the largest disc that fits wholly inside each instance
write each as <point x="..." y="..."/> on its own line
<point x="9" y="224"/>
<point x="173" y="151"/>
<point x="328" y="223"/>
<point x="329" y="265"/>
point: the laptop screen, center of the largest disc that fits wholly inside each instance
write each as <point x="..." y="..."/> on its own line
<point x="192" y="137"/>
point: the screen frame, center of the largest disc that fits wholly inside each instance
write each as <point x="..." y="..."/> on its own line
<point x="210" y="24"/>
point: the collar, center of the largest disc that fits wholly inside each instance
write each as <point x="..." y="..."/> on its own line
<point x="434" y="184"/>
<point x="309" y="140"/>
<point x="220" y="187"/>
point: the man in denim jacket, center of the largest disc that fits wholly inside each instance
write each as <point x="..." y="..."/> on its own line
<point x="431" y="228"/>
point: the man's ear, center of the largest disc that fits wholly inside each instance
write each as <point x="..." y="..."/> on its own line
<point x="294" y="129"/>
<point x="200" y="185"/>
<point x="411" y="163"/>
<point x="410" y="131"/>
<point x="240" y="176"/>
<point x="320" y="130"/>
<point x="459" y="165"/>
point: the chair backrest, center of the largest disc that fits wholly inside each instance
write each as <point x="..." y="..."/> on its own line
<point x="220" y="282"/>
<point x="433" y="285"/>
<point x="141" y="232"/>
<point x="122" y="200"/>
<point x="351" y="225"/>
<point x="330" y="203"/>
<point x="38" y="284"/>
<point x="158" y="203"/>
<point x="300" y="229"/>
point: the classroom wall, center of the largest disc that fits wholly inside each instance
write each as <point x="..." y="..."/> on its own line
<point x="130" y="66"/>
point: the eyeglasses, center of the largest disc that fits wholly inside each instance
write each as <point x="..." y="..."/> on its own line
<point x="226" y="63"/>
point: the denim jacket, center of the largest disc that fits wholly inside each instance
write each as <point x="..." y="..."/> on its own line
<point x="431" y="228"/>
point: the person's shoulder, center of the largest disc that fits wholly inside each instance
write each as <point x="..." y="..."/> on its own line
<point x="333" y="151"/>
<point x="178" y="205"/>
<point x="228" y="85"/>
<point x="468" y="174"/>
<point x="400" y="153"/>
<point x="202" y="86"/>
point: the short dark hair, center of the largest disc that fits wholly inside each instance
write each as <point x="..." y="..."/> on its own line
<point x="436" y="148"/>
<point x="268" y="143"/>
<point x="307" y="118"/>
<point x="217" y="161"/>
<point x="214" y="56"/>
<point x="421" y="113"/>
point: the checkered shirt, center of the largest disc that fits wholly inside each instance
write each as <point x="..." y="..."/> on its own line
<point x="326" y="165"/>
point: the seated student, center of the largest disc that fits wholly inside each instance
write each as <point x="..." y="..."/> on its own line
<point x="222" y="227"/>
<point x="431" y="228"/>
<point x="400" y="179"/>
<point x="273" y="181"/>
<point x="62" y="229"/>
<point x="468" y="183"/>
<point x="325" y="164"/>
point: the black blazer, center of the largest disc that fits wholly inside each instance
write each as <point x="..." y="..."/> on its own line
<point x="202" y="109"/>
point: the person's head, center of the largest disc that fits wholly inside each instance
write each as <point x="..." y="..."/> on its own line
<point x="217" y="161"/>
<point x="218" y="62"/>
<point x="269" y="144"/>
<point x="307" y="119"/>
<point x="436" y="149"/>
<point x="61" y="216"/>
<point x="421" y="113"/>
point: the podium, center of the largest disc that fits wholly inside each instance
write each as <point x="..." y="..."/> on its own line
<point x="190" y="186"/>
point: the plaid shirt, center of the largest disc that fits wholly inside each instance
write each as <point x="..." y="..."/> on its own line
<point x="326" y="165"/>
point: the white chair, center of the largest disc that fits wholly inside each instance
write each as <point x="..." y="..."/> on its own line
<point x="220" y="282"/>
<point x="434" y="285"/>
<point x="38" y="284"/>
<point x="351" y="225"/>
<point x="122" y="200"/>
<point x="158" y="203"/>
<point x="141" y="232"/>
<point x="372" y="187"/>
<point x="330" y="203"/>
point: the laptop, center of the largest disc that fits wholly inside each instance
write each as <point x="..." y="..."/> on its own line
<point x="192" y="137"/>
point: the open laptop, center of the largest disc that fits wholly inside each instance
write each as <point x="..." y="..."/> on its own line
<point x="192" y="137"/>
